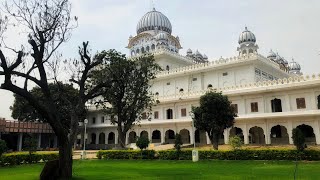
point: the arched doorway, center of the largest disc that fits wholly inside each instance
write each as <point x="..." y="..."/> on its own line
<point x="200" y="136"/>
<point x="156" y="136"/>
<point x="235" y="131"/>
<point x="169" y="137"/>
<point x="279" y="135"/>
<point x="132" y="137"/>
<point x="111" y="138"/>
<point x="93" y="138"/>
<point x="185" y="136"/>
<point x="144" y="134"/>
<point x="308" y="133"/>
<point x="256" y="135"/>
<point x="102" y="138"/>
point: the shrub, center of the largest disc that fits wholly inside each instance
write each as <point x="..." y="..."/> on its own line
<point x="125" y="154"/>
<point x="298" y="139"/>
<point x="22" y="158"/>
<point x="3" y="147"/>
<point x="241" y="154"/>
<point x="30" y="145"/>
<point x="235" y="142"/>
<point x="142" y="142"/>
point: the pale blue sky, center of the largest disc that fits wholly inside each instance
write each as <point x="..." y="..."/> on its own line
<point x="290" y="27"/>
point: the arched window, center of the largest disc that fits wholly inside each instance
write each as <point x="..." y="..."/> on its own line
<point x="167" y="68"/>
<point x="142" y="50"/>
<point x="276" y="105"/>
<point x="244" y="52"/>
<point x="137" y="51"/>
<point x="153" y="47"/>
<point x="132" y="53"/>
<point x="209" y="86"/>
<point x="147" y="48"/>
<point x="181" y="90"/>
<point x="250" y="51"/>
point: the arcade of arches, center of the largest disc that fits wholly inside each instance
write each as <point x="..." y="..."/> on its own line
<point x="277" y="135"/>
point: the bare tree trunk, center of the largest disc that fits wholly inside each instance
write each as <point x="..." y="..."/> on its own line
<point x="65" y="158"/>
<point x="121" y="138"/>
<point x="215" y="140"/>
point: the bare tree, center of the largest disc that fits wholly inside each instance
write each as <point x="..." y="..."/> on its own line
<point x="48" y="24"/>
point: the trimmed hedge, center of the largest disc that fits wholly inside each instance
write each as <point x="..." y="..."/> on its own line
<point x="25" y="158"/>
<point x="126" y="154"/>
<point x="310" y="155"/>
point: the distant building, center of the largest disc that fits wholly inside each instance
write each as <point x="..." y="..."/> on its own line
<point x="14" y="133"/>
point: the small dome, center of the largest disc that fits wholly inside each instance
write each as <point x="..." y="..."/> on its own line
<point x="154" y="20"/>
<point x="294" y="66"/>
<point x="246" y="36"/>
<point x="198" y="54"/>
<point x="189" y="51"/>
<point x="205" y="57"/>
<point x="162" y="36"/>
<point x="272" y="55"/>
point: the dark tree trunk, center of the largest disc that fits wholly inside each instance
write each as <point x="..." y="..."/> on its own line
<point x="65" y="159"/>
<point x="215" y="140"/>
<point x="121" y="138"/>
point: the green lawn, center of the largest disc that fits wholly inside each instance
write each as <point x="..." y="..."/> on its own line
<point x="160" y="169"/>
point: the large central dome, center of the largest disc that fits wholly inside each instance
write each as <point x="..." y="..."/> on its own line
<point x="154" y="20"/>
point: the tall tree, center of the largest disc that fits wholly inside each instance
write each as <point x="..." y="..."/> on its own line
<point x="129" y="94"/>
<point x="47" y="24"/>
<point x="213" y="115"/>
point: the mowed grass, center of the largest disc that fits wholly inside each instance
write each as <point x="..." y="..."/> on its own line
<point x="160" y="169"/>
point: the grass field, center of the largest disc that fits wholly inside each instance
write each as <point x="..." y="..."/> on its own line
<point x="148" y="169"/>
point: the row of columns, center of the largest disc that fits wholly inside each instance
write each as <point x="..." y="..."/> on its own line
<point x="20" y="141"/>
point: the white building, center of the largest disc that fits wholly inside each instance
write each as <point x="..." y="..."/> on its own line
<point x="271" y="96"/>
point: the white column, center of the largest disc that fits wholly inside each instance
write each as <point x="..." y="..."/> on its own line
<point x="150" y="135"/>
<point x="316" y="131"/>
<point x="20" y="136"/>
<point x="226" y="136"/>
<point x="245" y="135"/>
<point x="191" y="137"/>
<point x="289" y="131"/>
<point x="39" y="140"/>
<point x="208" y="139"/>
<point x="106" y="138"/>
<point x="287" y="102"/>
<point x="116" y="136"/>
<point x="127" y="138"/>
<point x="267" y="136"/>
<point x="313" y="101"/>
<point x="162" y="136"/>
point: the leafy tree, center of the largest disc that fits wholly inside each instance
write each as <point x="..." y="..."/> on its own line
<point x="235" y="142"/>
<point x="3" y="147"/>
<point x="24" y="111"/>
<point x="129" y="94"/>
<point x="213" y="115"/>
<point x="47" y="24"/>
<point x="298" y="139"/>
<point x="142" y="142"/>
<point x="178" y="142"/>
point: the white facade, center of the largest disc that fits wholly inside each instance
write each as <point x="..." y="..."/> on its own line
<point x="269" y="93"/>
